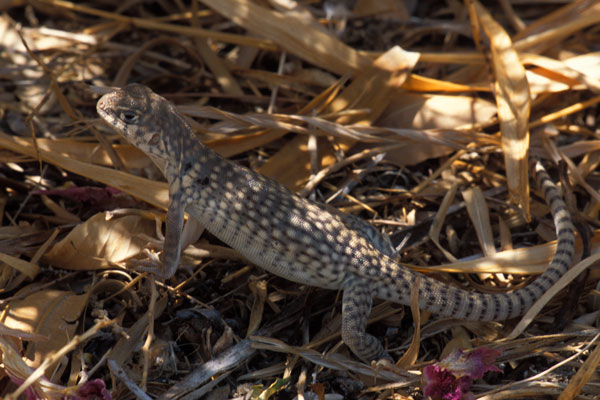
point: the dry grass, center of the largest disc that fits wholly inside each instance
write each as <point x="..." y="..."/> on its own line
<point x="420" y="121"/>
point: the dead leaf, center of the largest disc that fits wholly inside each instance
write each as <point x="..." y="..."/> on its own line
<point x="425" y="111"/>
<point x="50" y="313"/>
<point x="371" y="89"/>
<point x="480" y="217"/>
<point x="410" y="356"/>
<point x="512" y="96"/>
<point x="259" y="290"/>
<point x="314" y="44"/>
<point x="25" y="267"/>
<point x="99" y="241"/>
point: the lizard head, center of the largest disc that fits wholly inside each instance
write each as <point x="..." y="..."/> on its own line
<point x="144" y="118"/>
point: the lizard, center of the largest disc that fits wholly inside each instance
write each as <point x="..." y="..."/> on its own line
<point x="298" y="239"/>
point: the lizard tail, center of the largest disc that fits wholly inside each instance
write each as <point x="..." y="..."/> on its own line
<point x="443" y="299"/>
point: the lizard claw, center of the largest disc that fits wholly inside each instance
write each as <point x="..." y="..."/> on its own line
<point x="152" y="264"/>
<point x="384" y="363"/>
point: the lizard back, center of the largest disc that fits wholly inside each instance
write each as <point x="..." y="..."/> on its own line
<point x="306" y="243"/>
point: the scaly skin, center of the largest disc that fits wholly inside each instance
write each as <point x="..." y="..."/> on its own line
<point x="297" y="239"/>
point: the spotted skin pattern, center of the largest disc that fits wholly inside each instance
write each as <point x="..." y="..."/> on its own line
<point x="297" y="239"/>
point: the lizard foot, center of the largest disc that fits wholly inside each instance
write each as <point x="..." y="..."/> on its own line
<point x="152" y="264"/>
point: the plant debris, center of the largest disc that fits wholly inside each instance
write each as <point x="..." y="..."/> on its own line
<point x="419" y="117"/>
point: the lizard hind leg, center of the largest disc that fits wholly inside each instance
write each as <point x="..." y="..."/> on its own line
<point x="379" y="240"/>
<point x="356" y="306"/>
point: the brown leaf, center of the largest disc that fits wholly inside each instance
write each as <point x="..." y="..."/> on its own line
<point x="512" y="96"/>
<point x="50" y="313"/>
<point x="259" y="290"/>
<point x="371" y="89"/>
<point x="99" y="241"/>
<point x="299" y="36"/>
<point x="480" y="217"/>
<point x="423" y="111"/>
<point x="411" y="355"/>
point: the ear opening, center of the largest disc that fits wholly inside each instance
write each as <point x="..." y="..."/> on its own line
<point x="154" y="139"/>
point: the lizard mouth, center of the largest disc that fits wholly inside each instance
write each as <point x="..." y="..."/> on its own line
<point x="103" y="110"/>
<point x="101" y="107"/>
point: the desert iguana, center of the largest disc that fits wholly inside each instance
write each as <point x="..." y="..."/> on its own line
<point x="298" y="239"/>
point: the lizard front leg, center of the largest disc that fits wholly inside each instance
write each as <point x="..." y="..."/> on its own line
<point x="356" y="306"/>
<point x="173" y="228"/>
<point x="172" y="243"/>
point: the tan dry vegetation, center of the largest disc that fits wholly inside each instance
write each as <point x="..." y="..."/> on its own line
<point x="419" y="118"/>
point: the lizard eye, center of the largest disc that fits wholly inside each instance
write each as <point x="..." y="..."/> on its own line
<point x="128" y="117"/>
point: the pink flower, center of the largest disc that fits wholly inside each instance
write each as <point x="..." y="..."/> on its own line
<point x="92" y="390"/>
<point x="451" y="378"/>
